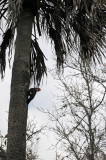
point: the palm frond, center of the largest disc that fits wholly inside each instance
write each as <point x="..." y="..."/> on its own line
<point x="52" y="24"/>
<point x="3" y="8"/>
<point x="90" y="24"/>
<point x="68" y="23"/>
<point x="84" y="19"/>
<point x="37" y="62"/>
<point x="7" y="38"/>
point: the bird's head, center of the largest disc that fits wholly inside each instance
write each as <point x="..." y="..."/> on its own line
<point x="37" y="89"/>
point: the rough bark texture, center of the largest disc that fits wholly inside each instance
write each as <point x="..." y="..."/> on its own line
<point x="16" y="147"/>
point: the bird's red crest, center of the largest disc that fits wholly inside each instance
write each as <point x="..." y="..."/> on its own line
<point x="38" y="89"/>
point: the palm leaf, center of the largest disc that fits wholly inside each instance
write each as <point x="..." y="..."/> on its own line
<point x="7" y="38"/>
<point x="67" y="23"/>
<point x="37" y="63"/>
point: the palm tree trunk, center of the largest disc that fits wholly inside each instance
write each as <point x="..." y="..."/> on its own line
<point x="16" y="146"/>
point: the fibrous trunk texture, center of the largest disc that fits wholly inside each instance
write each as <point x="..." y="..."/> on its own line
<point x="16" y="146"/>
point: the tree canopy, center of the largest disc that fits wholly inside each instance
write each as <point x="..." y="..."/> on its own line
<point x="72" y="25"/>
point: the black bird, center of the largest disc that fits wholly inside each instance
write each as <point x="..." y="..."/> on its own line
<point x="31" y="93"/>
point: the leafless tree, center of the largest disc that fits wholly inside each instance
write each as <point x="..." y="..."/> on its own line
<point x="79" y="115"/>
<point x="32" y="140"/>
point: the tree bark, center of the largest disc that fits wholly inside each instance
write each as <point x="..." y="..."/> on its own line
<point x="16" y="146"/>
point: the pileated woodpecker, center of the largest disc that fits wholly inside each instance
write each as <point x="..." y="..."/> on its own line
<point x="31" y="93"/>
